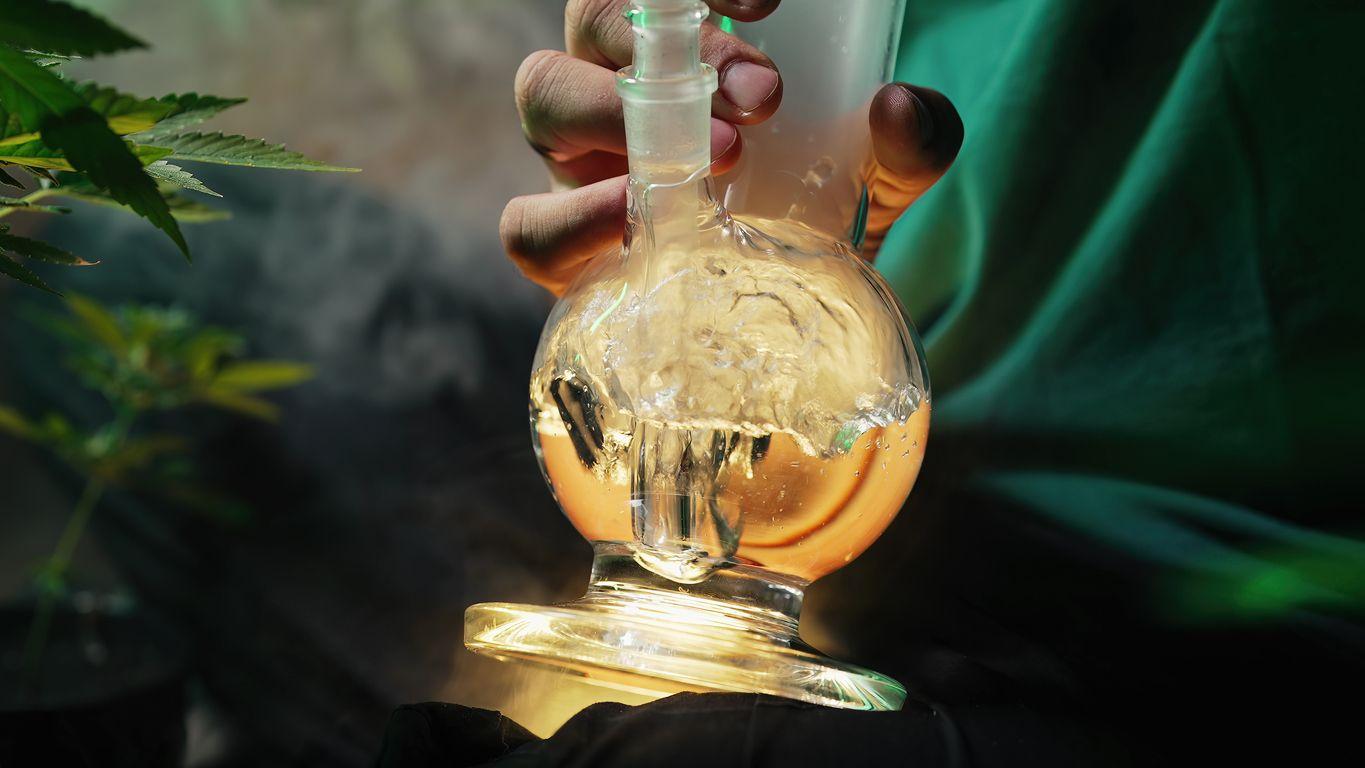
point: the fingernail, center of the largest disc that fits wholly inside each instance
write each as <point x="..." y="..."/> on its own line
<point x="748" y="85"/>
<point x="924" y="117"/>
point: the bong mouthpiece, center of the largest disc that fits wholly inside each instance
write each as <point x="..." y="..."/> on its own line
<point x="666" y="92"/>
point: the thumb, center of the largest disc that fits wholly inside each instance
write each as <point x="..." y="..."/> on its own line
<point x="916" y="134"/>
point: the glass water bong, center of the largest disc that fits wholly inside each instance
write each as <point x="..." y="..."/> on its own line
<point x="734" y="404"/>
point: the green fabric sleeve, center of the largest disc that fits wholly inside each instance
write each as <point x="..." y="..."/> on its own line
<point x="1141" y="285"/>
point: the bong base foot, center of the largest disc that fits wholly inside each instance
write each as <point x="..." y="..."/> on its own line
<point x="638" y="632"/>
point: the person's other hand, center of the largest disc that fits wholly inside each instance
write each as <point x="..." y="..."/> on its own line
<point x="572" y="115"/>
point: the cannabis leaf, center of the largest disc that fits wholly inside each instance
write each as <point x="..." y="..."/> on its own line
<point x="174" y="174"/>
<point x="141" y="359"/>
<point x="21" y="273"/>
<point x="240" y="150"/>
<point x="182" y="208"/>
<point x="98" y="323"/>
<point x="58" y="28"/>
<point x="261" y="375"/>
<point x="50" y="126"/>
<point x="127" y="114"/>
<point x="37" y="249"/>
<point x="185" y="111"/>
<point x="14" y="245"/>
<point x="44" y="102"/>
<point x="36" y="154"/>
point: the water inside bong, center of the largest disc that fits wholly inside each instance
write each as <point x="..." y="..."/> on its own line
<point x="739" y="394"/>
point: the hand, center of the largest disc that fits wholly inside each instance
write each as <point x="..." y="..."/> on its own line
<point x="572" y="115"/>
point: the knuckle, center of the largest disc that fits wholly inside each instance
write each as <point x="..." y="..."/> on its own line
<point x="718" y="48"/>
<point x="534" y="79"/>
<point x="585" y="18"/>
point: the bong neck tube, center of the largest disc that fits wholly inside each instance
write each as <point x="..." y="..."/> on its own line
<point x="666" y="94"/>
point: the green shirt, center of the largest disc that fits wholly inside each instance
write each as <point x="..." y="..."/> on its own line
<point x="1140" y="289"/>
<point x="1146" y="264"/>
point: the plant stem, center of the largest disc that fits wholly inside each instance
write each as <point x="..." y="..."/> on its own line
<point x="32" y="197"/>
<point x="60" y="561"/>
<point x="80" y="517"/>
<point x="57" y="565"/>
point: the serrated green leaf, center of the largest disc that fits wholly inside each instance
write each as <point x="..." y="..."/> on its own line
<point x="261" y="375"/>
<point x="37" y="249"/>
<point x="14" y="423"/>
<point x="173" y="174"/>
<point x="95" y="151"/>
<point x="239" y="150"/>
<point x="73" y="187"/>
<point x="48" y="60"/>
<point x="186" y="110"/>
<point x="37" y="154"/>
<point x="55" y="27"/>
<point x="124" y="113"/>
<point x="23" y="274"/>
<point x="31" y="94"/>
<point x="46" y="103"/>
<point x="99" y="323"/>
<point x="239" y="403"/>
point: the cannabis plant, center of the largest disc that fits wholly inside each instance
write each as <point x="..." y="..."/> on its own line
<point x="141" y="360"/>
<point x="64" y="140"/>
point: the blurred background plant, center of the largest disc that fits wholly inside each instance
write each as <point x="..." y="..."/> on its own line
<point x="141" y="360"/>
<point x="84" y="141"/>
<point x="398" y="485"/>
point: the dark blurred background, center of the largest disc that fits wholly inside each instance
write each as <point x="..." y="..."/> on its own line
<point x="399" y="485"/>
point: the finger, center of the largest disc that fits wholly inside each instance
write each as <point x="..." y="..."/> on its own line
<point x="550" y="236"/>
<point x="568" y="107"/>
<point x="916" y="135"/>
<point x="726" y="145"/>
<point x="916" y="132"/>
<point x="750" y="86"/>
